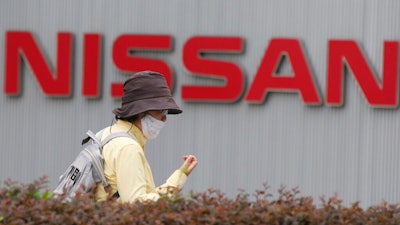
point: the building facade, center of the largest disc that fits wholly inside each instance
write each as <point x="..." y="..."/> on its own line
<point x="297" y="93"/>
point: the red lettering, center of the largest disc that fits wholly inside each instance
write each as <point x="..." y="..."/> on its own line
<point x="201" y="66"/>
<point x="376" y="94"/>
<point x="202" y="57"/>
<point x="23" y="43"/>
<point x="266" y="79"/>
<point x="91" y="65"/>
<point x="123" y="59"/>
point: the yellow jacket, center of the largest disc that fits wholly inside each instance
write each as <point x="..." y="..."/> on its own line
<point x="127" y="170"/>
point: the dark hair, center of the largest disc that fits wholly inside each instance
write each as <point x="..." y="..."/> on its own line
<point x="129" y="119"/>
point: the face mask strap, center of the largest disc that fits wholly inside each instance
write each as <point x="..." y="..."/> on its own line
<point x="130" y="128"/>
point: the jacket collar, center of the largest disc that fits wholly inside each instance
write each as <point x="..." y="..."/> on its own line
<point x="133" y="130"/>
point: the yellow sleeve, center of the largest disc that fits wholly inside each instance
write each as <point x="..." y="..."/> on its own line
<point x="173" y="184"/>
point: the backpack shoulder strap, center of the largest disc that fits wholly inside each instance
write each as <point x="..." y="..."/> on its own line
<point x="97" y="138"/>
<point x="108" y="139"/>
<point x="115" y="135"/>
<point x="94" y="137"/>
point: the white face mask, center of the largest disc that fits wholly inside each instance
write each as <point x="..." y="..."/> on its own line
<point x="151" y="126"/>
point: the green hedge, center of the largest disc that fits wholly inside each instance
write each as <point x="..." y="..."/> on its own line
<point x="31" y="204"/>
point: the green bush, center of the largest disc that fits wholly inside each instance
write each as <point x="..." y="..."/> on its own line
<point x="30" y="204"/>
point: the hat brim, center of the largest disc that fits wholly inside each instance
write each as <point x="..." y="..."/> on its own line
<point x="139" y="106"/>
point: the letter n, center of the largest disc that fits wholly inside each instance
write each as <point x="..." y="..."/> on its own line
<point x="21" y="45"/>
<point x="377" y="94"/>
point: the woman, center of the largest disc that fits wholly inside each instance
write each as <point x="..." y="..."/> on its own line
<point x="145" y="104"/>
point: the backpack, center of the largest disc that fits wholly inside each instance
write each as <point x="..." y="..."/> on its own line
<point x="87" y="169"/>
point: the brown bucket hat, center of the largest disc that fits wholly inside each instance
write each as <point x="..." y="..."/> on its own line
<point x="144" y="91"/>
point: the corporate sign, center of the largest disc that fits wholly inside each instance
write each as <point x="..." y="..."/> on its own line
<point x="22" y="47"/>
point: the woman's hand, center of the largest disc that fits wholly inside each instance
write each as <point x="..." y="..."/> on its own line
<point x="189" y="164"/>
